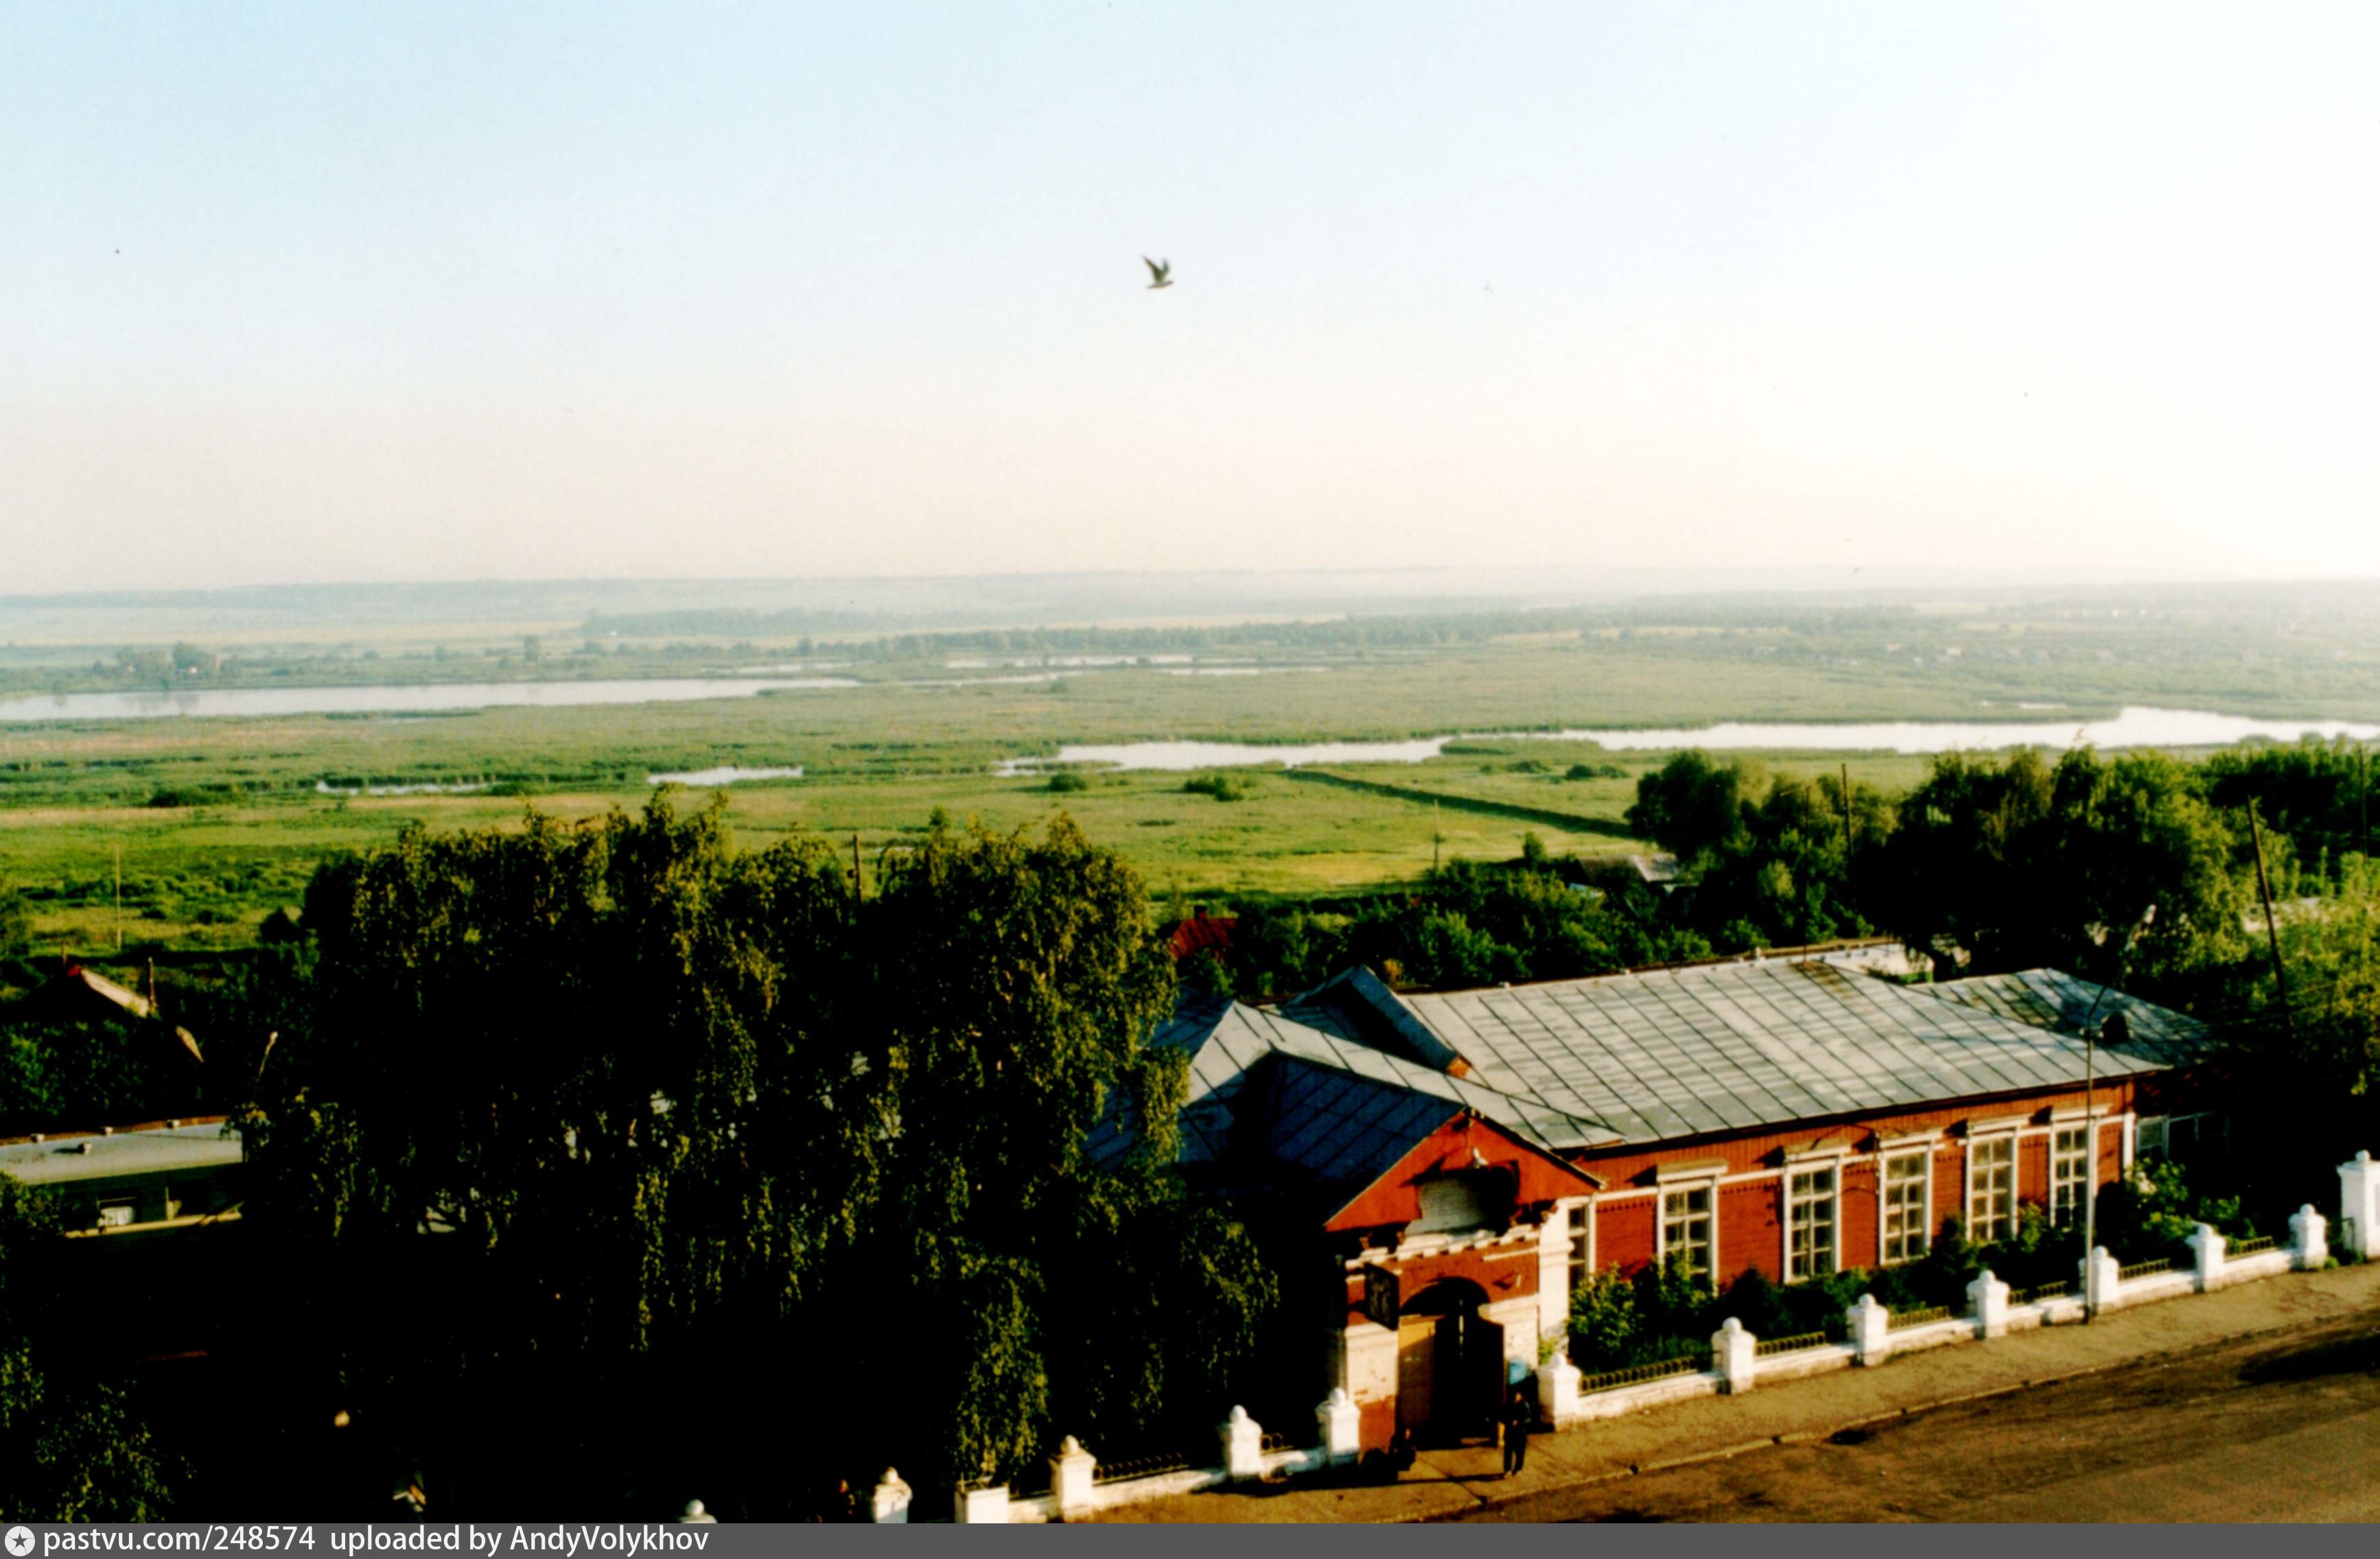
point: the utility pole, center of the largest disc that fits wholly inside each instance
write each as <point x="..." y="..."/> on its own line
<point x="2271" y="927"/>
<point x="1435" y="834"/>
<point x="858" y="892"/>
<point x="119" y="898"/>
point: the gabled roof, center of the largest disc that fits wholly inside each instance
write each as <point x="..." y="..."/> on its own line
<point x="1355" y="1005"/>
<point x="2051" y="999"/>
<point x="1738" y="1046"/>
<point x="1227" y="1040"/>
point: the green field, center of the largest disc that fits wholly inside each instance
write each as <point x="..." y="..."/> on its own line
<point x="219" y="821"/>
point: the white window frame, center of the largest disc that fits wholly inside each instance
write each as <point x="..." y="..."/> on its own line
<point x="1884" y="1158"/>
<point x="1977" y="1140"/>
<point x="2079" y="1182"/>
<point x="1683" y="1184"/>
<point x="1578" y="1236"/>
<point x="1830" y="1165"/>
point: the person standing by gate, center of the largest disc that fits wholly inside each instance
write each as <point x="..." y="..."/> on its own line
<point x="1520" y="1419"/>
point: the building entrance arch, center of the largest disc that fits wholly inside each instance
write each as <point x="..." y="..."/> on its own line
<point x="1449" y="1362"/>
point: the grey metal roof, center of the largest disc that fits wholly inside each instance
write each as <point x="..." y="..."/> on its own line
<point x="1227" y="1039"/>
<point x="1354" y="1004"/>
<point x="1737" y="1047"/>
<point x="167" y="1149"/>
<point x="1347" y="1130"/>
<point x="2051" y="999"/>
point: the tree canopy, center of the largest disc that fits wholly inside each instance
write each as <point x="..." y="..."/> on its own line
<point x="668" y="1105"/>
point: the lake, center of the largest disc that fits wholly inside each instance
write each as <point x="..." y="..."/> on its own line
<point x="2134" y="727"/>
<point x="396" y="698"/>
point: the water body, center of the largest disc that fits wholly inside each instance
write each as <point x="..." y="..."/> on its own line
<point x="726" y="774"/>
<point x="255" y="703"/>
<point x="2134" y="727"/>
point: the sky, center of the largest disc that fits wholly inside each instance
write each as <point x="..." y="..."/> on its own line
<point x="306" y="293"/>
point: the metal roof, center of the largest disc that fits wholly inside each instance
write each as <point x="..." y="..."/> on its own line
<point x="1738" y="1046"/>
<point x="167" y="1149"/>
<point x="1227" y="1039"/>
<point x="1347" y="1130"/>
<point x="2050" y="999"/>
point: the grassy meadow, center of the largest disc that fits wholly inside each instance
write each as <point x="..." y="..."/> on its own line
<point x="220" y="820"/>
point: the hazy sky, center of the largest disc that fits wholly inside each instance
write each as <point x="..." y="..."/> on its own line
<point x="419" y="291"/>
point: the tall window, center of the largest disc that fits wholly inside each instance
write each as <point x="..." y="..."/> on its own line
<point x="1991" y="1190"/>
<point x="2070" y="1172"/>
<point x="1810" y="1224"/>
<point x="1580" y="1263"/>
<point x="1907" y="1210"/>
<point x="1686" y="1228"/>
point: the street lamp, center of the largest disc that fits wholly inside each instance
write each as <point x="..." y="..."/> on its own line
<point x="2091" y="1122"/>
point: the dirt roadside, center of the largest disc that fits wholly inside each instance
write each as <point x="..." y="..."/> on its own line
<point x="1464" y="1481"/>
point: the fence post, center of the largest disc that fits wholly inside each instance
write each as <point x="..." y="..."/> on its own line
<point x="1341" y="1427"/>
<point x="1732" y="1351"/>
<point x="1557" y="1389"/>
<point x="1243" y="1445"/>
<point x="1070" y="1472"/>
<point x="2307" y="1246"/>
<point x="1987" y="1300"/>
<point x="1871" y="1329"/>
<point x="2207" y="1257"/>
<point x="2359" y="1206"/>
<point x="2103" y="1276"/>
<point x="981" y="1507"/>
<point x="890" y="1500"/>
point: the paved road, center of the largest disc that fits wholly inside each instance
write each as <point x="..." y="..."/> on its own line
<point x="2278" y="1428"/>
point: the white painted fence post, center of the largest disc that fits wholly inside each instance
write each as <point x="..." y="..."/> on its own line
<point x="890" y="1500"/>
<point x="1243" y="1445"/>
<point x="2308" y="1248"/>
<point x="2207" y="1257"/>
<point x="1557" y="1389"/>
<point x="1733" y="1352"/>
<point x="1070" y="1475"/>
<point x="1341" y="1427"/>
<point x="1987" y="1300"/>
<point x="1871" y="1329"/>
<point x="2359" y="1206"/>
<point x="2102" y="1276"/>
<point x="981" y="1507"/>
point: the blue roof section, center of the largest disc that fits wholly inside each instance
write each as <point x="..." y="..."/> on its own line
<point x="1227" y="1040"/>
<point x="1357" y="1004"/>
<point x="1348" y="1130"/>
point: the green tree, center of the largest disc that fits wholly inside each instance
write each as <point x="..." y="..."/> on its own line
<point x="72" y="1445"/>
<point x="676" y="1104"/>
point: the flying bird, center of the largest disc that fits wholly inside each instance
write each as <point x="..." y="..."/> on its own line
<point x="1161" y="272"/>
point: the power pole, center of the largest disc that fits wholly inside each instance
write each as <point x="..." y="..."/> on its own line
<point x="1435" y="834"/>
<point x="858" y="892"/>
<point x="119" y="898"/>
<point x="2271" y="927"/>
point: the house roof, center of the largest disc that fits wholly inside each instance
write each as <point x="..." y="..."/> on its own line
<point x="1228" y="1040"/>
<point x="1737" y="1047"/>
<point x="2051" y="999"/>
<point x="1200" y="933"/>
<point x="149" y="1151"/>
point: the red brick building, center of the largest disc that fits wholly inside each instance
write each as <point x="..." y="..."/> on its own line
<point x="1468" y="1156"/>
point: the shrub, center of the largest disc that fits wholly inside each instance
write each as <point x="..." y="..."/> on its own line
<point x="1066" y="779"/>
<point x="1222" y="787"/>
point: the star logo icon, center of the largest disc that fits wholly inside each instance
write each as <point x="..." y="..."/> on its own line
<point x="20" y="1542"/>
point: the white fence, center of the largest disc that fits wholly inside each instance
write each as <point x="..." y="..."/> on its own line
<point x="1738" y="1362"/>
